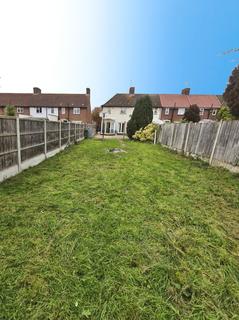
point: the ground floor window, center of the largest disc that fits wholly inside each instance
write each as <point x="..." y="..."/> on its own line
<point x="121" y="127"/>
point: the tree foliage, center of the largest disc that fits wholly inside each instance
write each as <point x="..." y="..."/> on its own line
<point x="224" y="113"/>
<point x="10" y="110"/>
<point x="231" y="94"/>
<point x="141" y="116"/>
<point x="96" y="117"/>
<point x="192" y="114"/>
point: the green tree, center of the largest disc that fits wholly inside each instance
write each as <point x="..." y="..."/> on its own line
<point x="96" y="117"/>
<point x="10" y="110"/>
<point x="231" y="94"/>
<point x="141" y="116"/>
<point x="224" y="113"/>
<point x="192" y="114"/>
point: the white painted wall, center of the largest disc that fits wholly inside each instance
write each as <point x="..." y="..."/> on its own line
<point x="115" y="114"/>
<point x="47" y="113"/>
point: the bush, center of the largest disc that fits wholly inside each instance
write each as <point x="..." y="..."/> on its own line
<point x="146" y="134"/>
<point x="224" y="113"/>
<point x="192" y="114"/>
<point x="10" y="110"/>
<point x="141" y="116"/>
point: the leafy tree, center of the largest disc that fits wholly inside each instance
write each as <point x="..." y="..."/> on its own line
<point x="231" y="94"/>
<point x="10" y="110"/>
<point x="141" y="116"/>
<point x="192" y="114"/>
<point x="96" y="117"/>
<point x="224" y="113"/>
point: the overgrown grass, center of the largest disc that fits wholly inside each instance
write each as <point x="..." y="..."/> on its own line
<point x="145" y="234"/>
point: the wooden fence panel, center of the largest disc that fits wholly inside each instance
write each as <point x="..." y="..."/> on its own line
<point x="31" y="138"/>
<point x="52" y="135"/>
<point x="8" y="143"/>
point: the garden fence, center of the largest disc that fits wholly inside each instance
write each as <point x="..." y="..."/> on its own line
<point x="26" y="142"/>
<point x="215" y="142"/>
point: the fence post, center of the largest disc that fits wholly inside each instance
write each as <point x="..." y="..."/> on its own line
<point x="45" y="139"/>
<point x="69" y="133"/>
<point x="18" y="144"/>
<point x="171" y="142"/>
<point x="215" y="142"/>
<point x="155" y="135"/>
<point x="75" y="132"/>
<point x="187" y="136"/>
<point x="60" y="134"/>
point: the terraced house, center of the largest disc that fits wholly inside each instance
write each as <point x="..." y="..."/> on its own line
<point x="166" y="107"/>
<point x="51" y="106"/>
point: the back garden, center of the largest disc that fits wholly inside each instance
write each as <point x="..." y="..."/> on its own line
<point x="144" y="234"/>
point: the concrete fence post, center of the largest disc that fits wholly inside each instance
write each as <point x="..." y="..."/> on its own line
<point x="69" y="132"/>
<point x="75" y="132"/>
<point x="18" y="143"/>
<point x="187" y="136"/>
<point x="45" y="139"/>
<point x="171" y="142"/>
<point x="215" y="142"/>
<point x="60" y="134"/>
<point x="155" y="136"/>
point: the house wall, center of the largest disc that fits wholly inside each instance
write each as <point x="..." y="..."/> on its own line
<point x="115" y="114"/>
<point x="174" y="117"/>
<point x="84" y="116"/>
<point x="46" y="113"/>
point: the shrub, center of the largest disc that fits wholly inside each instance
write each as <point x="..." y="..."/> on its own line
<point x="224" y="113"/>
<point x="146" y="134"/>
<point x="192" y="114"/>
<point x="10" y="110"/>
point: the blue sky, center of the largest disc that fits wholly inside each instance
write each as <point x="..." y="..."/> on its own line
<point x="108" y="45"/>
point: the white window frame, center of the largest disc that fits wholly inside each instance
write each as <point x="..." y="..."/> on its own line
<point x="155" y="111"/>
<point x="52" y="110"/>
<point x="166" y="111"/>
<point x="181" y="111"/>
<point x="201" y="111"/>
<point x="214" y="112"/>
<point x="121" y="125"/>
<point x="38" y="109"/>
<point x="109" y="111"/>
<point x="20" y="110"/>
<point x="123" y="111"/>
<point x="63" y="110"/>
<point x="76" y="110"/>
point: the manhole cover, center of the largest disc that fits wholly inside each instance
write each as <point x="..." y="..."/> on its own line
<point x="116" y="150"/>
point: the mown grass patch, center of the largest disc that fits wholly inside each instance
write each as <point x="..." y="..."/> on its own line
<point x="145" y="234"/>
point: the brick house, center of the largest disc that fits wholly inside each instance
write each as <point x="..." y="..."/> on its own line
<point x="52" y="106"/>
<point x="166" y="107"/>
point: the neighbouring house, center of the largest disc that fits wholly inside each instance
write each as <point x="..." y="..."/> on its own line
<point x="51" y="106"/>
<point x="166" y="107"/>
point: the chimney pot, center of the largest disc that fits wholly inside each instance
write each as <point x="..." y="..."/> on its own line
<point x="131" y="90"/>
<point x="186" y="91"/>
<point x="36" y="90"/>
<point x="88" y="91"/>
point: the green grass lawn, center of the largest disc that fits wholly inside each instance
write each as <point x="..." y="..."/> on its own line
<point x="145" y="234"/>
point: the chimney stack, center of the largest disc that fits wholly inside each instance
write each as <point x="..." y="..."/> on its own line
<point x="131" y="90"/>
<point x="36" y="90"/>
<point x="88" y="91"/>
<point x="186" y="91"/>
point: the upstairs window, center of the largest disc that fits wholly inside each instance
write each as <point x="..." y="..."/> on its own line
<point x="20" y="109"/>
<point x="109" y="111"/>
<point x="76" y="110"/>
<point x="201" y="111"/>
<point x="214" y="112"/>
<point x="123" y="111"/>
<point x="181" y="111"/>
<point x="52" y="110"/>
<point x="63" y="110"/>
<point x="155" y="111"/>
<point x="39" y="110"/>
<point x="166" y="112"/>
